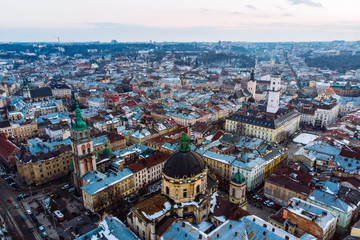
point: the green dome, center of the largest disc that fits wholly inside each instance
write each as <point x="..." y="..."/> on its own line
<point x="107" y="151"/>
<point x="238" y="178"/>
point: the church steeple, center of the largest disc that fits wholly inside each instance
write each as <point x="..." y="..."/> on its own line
<point x="26" y="91"/>
<point x="252" y="75"/>
<point x="79" y="124"/>
<point x="83" y="148"/>
<point x="184" y="143"/>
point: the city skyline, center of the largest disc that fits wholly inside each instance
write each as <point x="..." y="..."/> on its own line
<point x="185" y="21"/>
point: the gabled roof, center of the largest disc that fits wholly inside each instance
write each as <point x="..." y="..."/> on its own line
<point x="41" y="92"/>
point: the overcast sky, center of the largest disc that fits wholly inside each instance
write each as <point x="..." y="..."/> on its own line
<point x="185" y="20"/>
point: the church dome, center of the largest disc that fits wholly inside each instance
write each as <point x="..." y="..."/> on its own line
<point x="184" y="163"/>
<point x="251" y="100"/>
<point x="238" y="178"/>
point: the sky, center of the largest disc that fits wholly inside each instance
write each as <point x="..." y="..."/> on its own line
<point x="180" y="21"/>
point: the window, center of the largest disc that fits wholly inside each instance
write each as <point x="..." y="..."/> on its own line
<point x="197" y="188"/>
<point x="233" y="192"/>
<point x="185" y="193"/>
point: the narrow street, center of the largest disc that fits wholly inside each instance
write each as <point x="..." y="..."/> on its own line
<point x="15" y="224"/>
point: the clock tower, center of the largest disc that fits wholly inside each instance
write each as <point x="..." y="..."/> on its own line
<point x="82" y="148"/>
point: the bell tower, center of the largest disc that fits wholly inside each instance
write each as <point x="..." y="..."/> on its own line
<point x="26" y="91"/>
<point x="274" y="95"/>
<point x="82" y="148"/>
<point x="251" y="85"/>
<point x="237" y="193"/>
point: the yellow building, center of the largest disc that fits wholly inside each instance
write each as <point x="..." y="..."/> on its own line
<point x="24" y="130"/>
<point x="42" y="168"/>
<point x="219" y="164"/>
<point x="100" y="143"/>
<point x="281" y="187"/>
<point x="275" y="158"/>
<point x="103" y="192"/>
<point x="355" y="230"/>
<point x="259" y="124"/>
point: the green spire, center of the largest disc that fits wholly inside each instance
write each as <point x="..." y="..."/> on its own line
<point x="79" y="123"/>
<point x="25" y="84"/>
<point x="252" y="75"/>
<point x="184" y="143"/>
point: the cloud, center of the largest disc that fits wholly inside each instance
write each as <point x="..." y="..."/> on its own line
<point x="212" y="11"/>
<point x="263" y="16"/>
<point x="288" y="15"/>
<point x="306" y="2"/>
<point x="251" y="7"/>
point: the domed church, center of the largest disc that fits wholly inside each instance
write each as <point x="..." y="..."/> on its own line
<point x="187" y="191"/>
<point x="185" y="183"/>
<point x="184" y="175"/>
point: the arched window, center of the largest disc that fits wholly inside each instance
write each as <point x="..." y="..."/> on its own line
<point x="197" y="188"/>
<point x="167" y="190"/>
<point x="83" y="151"/>
<point x="233" y="192"/>
<point x="185" y="193"/>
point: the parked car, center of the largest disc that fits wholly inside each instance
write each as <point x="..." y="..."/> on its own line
<point x="28" y="211"/>
<point x="44" y="234"/>
<point x="12" y="184"/>
<point x="270" y="204"/>
<point x="266" y="202"/>
<point x="9" y="201"/>
<point x="66" y="186"/>
<point x="72" y="190"/>
<point x="23" y="218"/>
<point x="31" y="229"/>
<point x="41" y="228"/>
<point x="17" y="206"/>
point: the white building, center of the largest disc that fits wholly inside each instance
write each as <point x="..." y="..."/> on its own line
<point x="96" y="102"/>
<point x="253" y="169"/>
<point x="274" y="94"/>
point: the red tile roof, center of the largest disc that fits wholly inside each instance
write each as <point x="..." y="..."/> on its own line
<point x="7" y="149"/>
<point x="136" y="167"/>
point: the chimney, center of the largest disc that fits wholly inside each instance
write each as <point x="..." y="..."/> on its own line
<point x="185" y="235"/>
<point x="183" y="224"/>
<point x="230" y="226"/>
<point x="264" y="233"/>
<point x="200" y="236"/>
<point x="177" y="229"/>
<point x="218" y="235"/>
<point x="323" y="195"/>
<point x="236" y="234"/>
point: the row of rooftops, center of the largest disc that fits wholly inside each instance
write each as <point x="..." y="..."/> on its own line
<point x="258" y="117"/>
